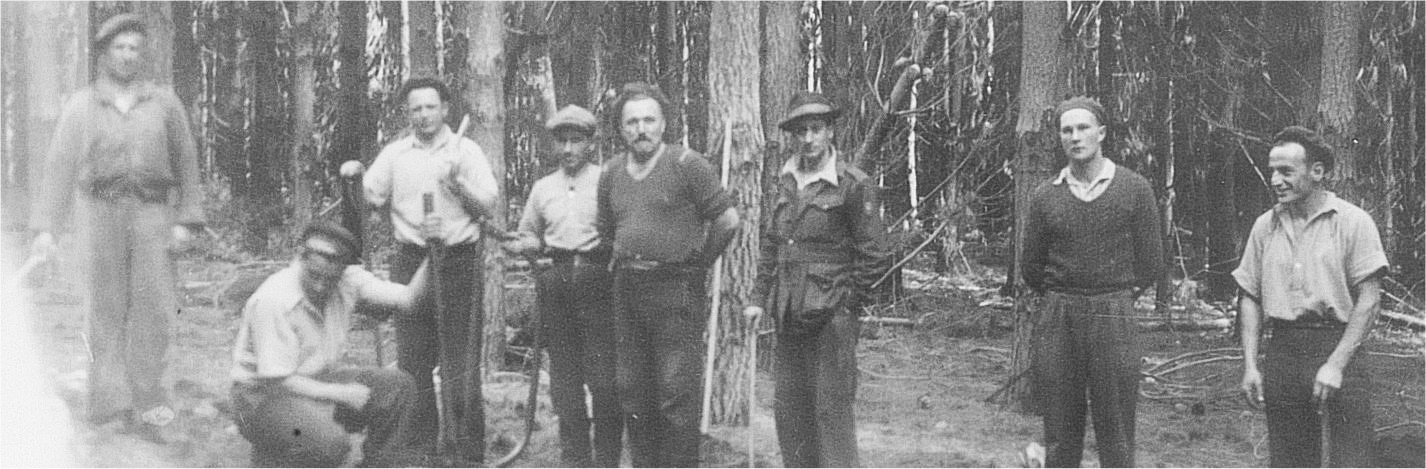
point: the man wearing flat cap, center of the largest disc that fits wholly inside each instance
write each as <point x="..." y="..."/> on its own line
<point x="573" y="293"/>
<point x="822" y="247"/>
<point x="125" y="145"/>
<point x="1092" y="245"/>
<point x="293" y="399"/>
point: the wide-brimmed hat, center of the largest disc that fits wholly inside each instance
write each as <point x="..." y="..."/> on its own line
<point x="809" y="104"/>
<point x="115" y="25"/>
<point x="572" y="116"/>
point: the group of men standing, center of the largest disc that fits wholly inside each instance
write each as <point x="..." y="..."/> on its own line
<point x="623" y="299"/>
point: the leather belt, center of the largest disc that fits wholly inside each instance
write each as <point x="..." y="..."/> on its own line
<point x="122" y="188"/>
<point x="1313" y="323"/>
<point x="578" y="258"/>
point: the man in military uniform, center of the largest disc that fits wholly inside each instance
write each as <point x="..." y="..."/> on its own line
<point x="822" y="248"/>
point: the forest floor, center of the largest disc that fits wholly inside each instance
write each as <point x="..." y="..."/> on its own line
<point x="921" y="402"/>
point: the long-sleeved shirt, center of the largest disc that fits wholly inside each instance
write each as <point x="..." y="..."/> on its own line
<point x="823" y="244"/>
<point x="149" y="145"/>
<point x="1110" y="243"/>
<point x="406" y="169"/>
<point x="561" y="211"/>
<point x="662" y="217"/>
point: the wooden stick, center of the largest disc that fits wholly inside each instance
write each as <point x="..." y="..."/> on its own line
<point x="1412" y="320"/>
<point x="912" y="254"/>
<point x="706" y="420"/>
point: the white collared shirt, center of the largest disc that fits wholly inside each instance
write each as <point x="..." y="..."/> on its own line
<point x="1087" y="191"/>
<point x="406" y="169"/>
<point x="828" y="171"/>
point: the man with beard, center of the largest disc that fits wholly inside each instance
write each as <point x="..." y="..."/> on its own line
<point x="822" y="248"/>
<point x="433" y="175"/>
<point x="1313" y="265"/>
<point x="668" y="219"/>
<point x="1092" y="245"/>
<point x="124" y="142"/>
<point x="573" y="293"/>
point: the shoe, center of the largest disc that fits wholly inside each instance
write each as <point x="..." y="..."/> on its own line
<point x="154" y="426"/>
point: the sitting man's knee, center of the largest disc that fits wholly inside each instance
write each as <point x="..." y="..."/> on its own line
<point x="298" y="432"/>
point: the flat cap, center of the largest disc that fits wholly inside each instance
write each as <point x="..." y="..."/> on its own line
<point x="808" y="104"/>
<point x="117" y="24"/>
<point x="572" y="116"/>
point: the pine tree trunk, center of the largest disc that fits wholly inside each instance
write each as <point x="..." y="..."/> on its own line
<point x="484" y="26"/>
<point x="733" y="81"/>
<point x="1042" y="81"/>
<point x="158" y="17"/>
<point x="267" y="152"/>
<point x="54" y="62"/>
<point x="1341" y="50"/>
<point x="304" y="18"/>
<point x="422" y="24"/>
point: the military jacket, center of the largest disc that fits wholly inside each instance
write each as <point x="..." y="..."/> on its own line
<point x="821" y="247"/>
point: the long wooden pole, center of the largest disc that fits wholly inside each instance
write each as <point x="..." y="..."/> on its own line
<point x="706" y="421"/>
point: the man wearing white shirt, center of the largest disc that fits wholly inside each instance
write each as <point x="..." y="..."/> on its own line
<point x="434" y="175"/>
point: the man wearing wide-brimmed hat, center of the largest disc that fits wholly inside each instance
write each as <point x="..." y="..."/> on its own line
<point x="573" y="293"/>
<point x="125" y="145"/>
<point x="822" y="248"/>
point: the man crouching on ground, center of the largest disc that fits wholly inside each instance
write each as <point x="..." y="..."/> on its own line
<point x="292" y="398"/>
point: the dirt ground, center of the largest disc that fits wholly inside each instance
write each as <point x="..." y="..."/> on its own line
<point x="921" y="399"/>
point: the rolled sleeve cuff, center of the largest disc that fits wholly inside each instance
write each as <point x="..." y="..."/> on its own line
<point x="1248" y="282"/>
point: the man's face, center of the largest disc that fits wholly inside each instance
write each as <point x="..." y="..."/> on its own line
<point x="811" y="142"/>
<point x="426" y="111"/>
<point x="1080" y="134"/>
<point x="123" y="59"/>
<point x="1293" y="179"/>
<point x="641" y="124"/>
<point x="321" y="269"/>
<point x="572" y="147"/>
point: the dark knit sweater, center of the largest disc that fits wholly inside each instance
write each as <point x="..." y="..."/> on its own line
<point x="1110" y="243"/>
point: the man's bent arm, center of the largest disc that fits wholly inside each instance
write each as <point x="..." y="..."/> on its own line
<point x="1359" y="323"/>
<point x="348" y="394"/>
<point x="720" y="233"/>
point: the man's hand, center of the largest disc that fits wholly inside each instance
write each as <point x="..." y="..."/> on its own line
<point x="1329" y="380"/>
<point x="182" y="237"/>
<point x="751" y="313"/>
<point x="43" y="246"/>
<point x="431" y="228"/>
<point x="1253" y="387"/>
<point x="354" y="395"/>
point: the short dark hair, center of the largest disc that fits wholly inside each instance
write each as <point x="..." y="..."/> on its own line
<point x="635" y="91"/>
<point x="1317" y="150"/>
<point x="423" y="82"/>
<point x="343" y="239"/>
<point x="1083" y="102"/>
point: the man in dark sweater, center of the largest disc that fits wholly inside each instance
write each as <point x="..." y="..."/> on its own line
<point x="1092" y="244"/>
<point x="668" y="218"/>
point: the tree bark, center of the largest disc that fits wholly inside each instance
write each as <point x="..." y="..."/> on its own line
<point x="54" y="62"/>
<point x="1042" y="81"/>
<point x="422" y="24"/>
<point x="668" y="45"/>
<point x="158" y="18"/>
<point x="305" y="18"/>
<point x="733" y="81"/>
<point x="1337" y="108"/>
<point x="484" y="26"/>
<point x="267" y="153"/>
<point x="354" y="136"/>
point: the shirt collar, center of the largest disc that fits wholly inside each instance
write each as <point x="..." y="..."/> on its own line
<point x="105" y="91"/>
<point x="1106" y="174"/>
<point x="828" y="171"/>
<point x="441" y="136"/>
<point x="1330" y="203"/>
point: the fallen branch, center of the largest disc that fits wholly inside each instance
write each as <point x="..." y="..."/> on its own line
<point x="912" y="254"/>
<point x="1008" y="384"/>
<point x="889" y="321"/>
<point x="1191" y="325"/>
<point x="1413" y="321"/>
<point x="1201" y="362"/>
<point x="885" y="376"/>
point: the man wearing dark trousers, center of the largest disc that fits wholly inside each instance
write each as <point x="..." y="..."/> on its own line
<point x="573" y="293"/>
<point x="1092" y="245"/>
<point x="1313" y="266"/>
<point x="668" y="219"/>
<point x="293" y="398"/>
<point x="434" y="175"/>
<point x="822" y="248"/>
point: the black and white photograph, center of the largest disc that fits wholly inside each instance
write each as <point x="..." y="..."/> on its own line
<point x="710" y="233"/>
